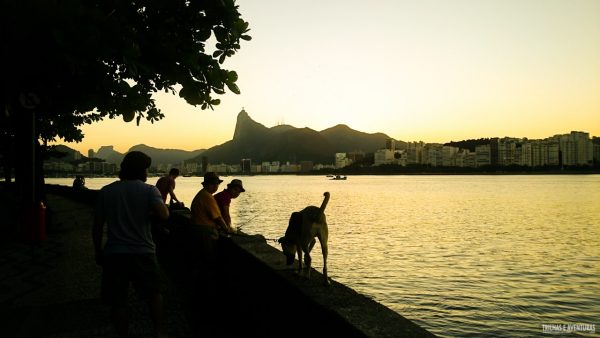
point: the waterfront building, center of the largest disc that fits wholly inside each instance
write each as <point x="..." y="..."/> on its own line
<point x="235" y="168"/>
<point x="525" y="158"/>
<point x="320" y="166"/>
<point x="290" y="168"/>
<point x="466" y="159"/>
<point x="553" y="153"/>
<point x="306" y="166"/>
<point x="383" y="156"/>
<point x="190" y="168"/>
<point x="483" y="155"/>
<point x="432" y="154"/>
<point x="506" y="151"/>
<point x="536" y="153"/>
<point x="97" y="168"/>
<point x="59" y="167"/>
<point x="163" y="167"/>
<point x="414" y="152"/>
<point x="576" y="148"/>
<point x="270" y="167"/>
<point x="355" y="156"/>
<point x="246" y="165"/>
<point x="494" y="151"/>
<point x="390" y="144"/>
<point x="545" y="153"/>
<point x="255" y="169"/>
<point x="221" y="168"/>
<point x="341" y="160"/>
<point x="449" y="156"/>
<point x="400" y="157"/>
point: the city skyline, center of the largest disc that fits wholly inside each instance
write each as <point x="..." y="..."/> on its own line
<point x="84" y="152"/>
<point x="565" y="150"/>
<point x="417" y="71"/>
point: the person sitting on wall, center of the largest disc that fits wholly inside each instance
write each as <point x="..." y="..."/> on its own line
<point x="79" y="182"/>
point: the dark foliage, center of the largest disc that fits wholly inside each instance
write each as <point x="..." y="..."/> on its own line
<point x="468" y="144"/>
<point x="79" y="61"/>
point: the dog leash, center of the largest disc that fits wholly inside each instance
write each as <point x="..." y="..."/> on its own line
<point x="247" y="235"/>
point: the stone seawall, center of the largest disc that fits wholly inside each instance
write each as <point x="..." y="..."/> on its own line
<point x="261" y="296"/>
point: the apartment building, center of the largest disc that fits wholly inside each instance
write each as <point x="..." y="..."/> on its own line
<point x="576" y="148"/>
<point x="383" y="156"/>
<point x="483" y="155"/>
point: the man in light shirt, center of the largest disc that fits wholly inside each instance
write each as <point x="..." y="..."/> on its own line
<point x="129" y="254"/>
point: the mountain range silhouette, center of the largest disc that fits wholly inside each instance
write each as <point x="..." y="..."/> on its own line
<point x="287" y="143"/>
<point x="253" y="140"/>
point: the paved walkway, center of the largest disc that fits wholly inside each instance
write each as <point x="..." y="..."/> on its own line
<point x="52" y="289"/>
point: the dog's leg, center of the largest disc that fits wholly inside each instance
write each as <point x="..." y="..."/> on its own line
<point x="307" y="257"/>
<point x="299" y="252"/>
<point x="307" y="261"/>
<point x="324" y="250"/>
<point x="312" y="243"/>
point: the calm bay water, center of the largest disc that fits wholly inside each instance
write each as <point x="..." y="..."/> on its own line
<point x="462" y="256"/>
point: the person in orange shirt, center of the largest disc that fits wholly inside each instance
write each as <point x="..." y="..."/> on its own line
<point x="205" y="212"/>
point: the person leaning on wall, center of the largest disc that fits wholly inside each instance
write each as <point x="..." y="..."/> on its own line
<point x="166" y="186"/>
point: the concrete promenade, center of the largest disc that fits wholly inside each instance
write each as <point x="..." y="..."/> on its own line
<point x="52" y="289"/>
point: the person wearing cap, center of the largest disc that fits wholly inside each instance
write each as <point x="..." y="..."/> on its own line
<point x="129" y="254"/>
<point x="205" y="211"/>
<point x="201" y="245"/>
<point x="233" y="190"/>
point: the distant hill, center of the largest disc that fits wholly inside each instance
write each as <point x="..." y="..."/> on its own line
<point x="158" y="155"/>
<point x="342" y="137"/>
<point x="287" y="143"/>
<point x="166" y="156"/>
<point x="109" y="154"/>
<point x="62" y="153"/>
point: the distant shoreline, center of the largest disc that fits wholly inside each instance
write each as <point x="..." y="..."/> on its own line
<point x="368" y="173"/>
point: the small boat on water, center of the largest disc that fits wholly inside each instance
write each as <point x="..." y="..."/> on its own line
<point x="339" y="177"/>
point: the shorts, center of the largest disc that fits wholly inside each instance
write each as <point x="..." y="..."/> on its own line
<point x="119" y="270"/>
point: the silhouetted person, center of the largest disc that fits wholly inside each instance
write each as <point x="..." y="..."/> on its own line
<point x="79" y="182"/>
<point x="129" y="254"/>
<point x="166" y="186"/>
<point x="206" y="223"/>
<point x="233" y="190"/>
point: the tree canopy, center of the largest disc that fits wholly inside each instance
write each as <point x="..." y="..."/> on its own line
<point x="80" y="61"/>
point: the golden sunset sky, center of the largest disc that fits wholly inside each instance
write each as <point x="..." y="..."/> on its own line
<point x="418" y="70"/>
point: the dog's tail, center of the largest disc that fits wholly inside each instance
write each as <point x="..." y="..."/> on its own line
<point x="324" y="204"/>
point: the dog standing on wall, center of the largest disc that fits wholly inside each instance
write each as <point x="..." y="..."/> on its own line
<point x="300" y="235"/>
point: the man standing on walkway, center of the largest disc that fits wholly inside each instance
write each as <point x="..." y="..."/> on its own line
<point x="202" y="250"/>
<point x="129" y="254"/>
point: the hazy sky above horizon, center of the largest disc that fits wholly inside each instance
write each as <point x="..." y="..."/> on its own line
<point x="418" y="70"/>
